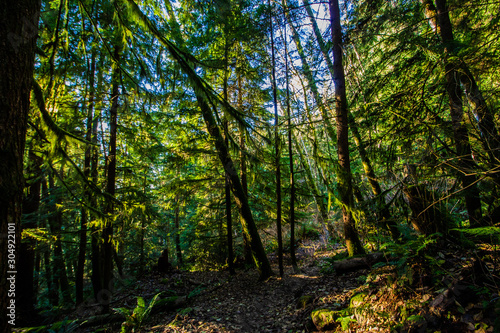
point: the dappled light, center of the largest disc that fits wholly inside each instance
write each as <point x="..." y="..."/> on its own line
<point x="249" y="166"/>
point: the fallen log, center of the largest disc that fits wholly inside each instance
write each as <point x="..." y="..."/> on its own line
<point x="356" y="263"/>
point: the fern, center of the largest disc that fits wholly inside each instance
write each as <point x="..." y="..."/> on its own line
<point x="135" y="318"/>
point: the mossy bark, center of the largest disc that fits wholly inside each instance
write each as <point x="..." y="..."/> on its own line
<point x="352" y="240"/>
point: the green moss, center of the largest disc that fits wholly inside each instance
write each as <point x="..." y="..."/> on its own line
<point x="325" y="319"/>
<point x="358" y="300"/>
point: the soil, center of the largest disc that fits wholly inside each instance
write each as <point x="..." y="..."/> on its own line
<point x="387" y="299"/>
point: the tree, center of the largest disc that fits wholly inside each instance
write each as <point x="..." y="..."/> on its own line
<point x="291" y="161"/>
<point x="277" y="152"/>
<point x="384" y="214"/>
<point x="344" y="173"/>
<point x="18" y="33"/>
<point x="460" y="132"/>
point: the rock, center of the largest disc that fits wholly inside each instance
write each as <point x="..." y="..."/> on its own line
<point x="325" y="319"/>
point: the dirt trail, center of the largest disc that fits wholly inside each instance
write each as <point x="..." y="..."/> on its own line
<point x="243" y="304"/>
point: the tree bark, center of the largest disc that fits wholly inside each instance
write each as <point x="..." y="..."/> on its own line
<point x="384" y="214"/>
<point x="52" y="285"/>
<point x="293" y="258"/>
<point x="227" y="188"/>
<point x="177" y="238"/>
<point x="460" y="133"/>
<point x="55" y="223"/>
<point x="18" y="33"/>
<point x="344" y="173"/>
<point x="247" y="250"/>
<point x="26" y="292"/>
<point x="107" y="233"/>
<point x="82" y="251"/>
<point x="276" y="148"/>
<point x="96" y="257"/>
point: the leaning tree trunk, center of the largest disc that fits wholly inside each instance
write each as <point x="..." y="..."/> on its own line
<point x="312" y="86"/>
<point x="204" y="99"/>
<point x="18" y="33"/>
<point x="344" y="173"/>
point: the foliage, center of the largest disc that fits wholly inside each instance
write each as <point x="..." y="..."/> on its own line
<point x="170" y="183"/>
<point x="136" y="317"/>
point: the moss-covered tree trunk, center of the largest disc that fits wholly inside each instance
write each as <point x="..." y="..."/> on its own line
<point x="206" y="101"/>
<point x="344" y="173"/>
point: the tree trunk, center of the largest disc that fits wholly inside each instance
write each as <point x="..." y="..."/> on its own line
<point x="25" y="285"/>
<point x="344" y="173"/>
<point x="203" y="96"/>
<point x="18" y="33"/>
<point x="461" y="136"/>
<point x="107" y="232"/>
<point x="229" y="222"/>
<point x="384" y="214"/>
<point x="485" y="119"/>
<point x="53" y="290"/>
<point x="318" y="196"/>
<point x="276" y="149"/>
<point x="82" y="251"/>
<point x="290" y="158"/>
<point x="96" y="276"/>
<point x="55" y="223"/>
<point x="247" y="250"/>
<point x="96" y="255"/>
<point x="178" y="250"/>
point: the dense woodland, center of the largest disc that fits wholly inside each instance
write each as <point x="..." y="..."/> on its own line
<point x="222" y="134"/>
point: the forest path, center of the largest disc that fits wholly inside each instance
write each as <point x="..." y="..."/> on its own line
<point x="243" y="304"/>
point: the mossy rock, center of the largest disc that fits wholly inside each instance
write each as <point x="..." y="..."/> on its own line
<point x="325" y="319"/>
<point x="304" y="301"/>
<point x="357" y="300"/>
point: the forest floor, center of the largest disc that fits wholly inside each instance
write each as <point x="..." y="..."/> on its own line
<point x="241" y="303"/>
<point x="457" y="291"/>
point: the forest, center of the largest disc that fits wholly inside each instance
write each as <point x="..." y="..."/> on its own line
<point x="249" y="166"/>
